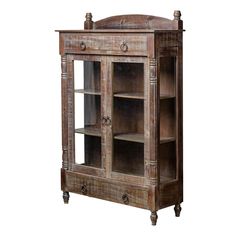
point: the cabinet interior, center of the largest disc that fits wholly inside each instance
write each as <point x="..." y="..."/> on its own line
<point x="167" y="118"/>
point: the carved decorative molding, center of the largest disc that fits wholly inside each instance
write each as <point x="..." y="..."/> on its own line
<point x="63" y="67"/>
<point x="153" y="70"/>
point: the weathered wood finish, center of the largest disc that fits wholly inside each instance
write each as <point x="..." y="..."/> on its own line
<point x="138" y="89"/>
<point x="107" y="189"/>
<point x="104" y="43"/>
<point x="136" y="22"/>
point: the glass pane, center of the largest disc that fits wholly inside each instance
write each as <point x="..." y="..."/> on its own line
<point x="167" y="119"/>
<point x="128" y="117"/>
<point x="87" y="113"/>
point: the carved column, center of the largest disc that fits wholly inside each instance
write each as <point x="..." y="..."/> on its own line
<point x="64" y="112"/>
<point x="70" y="111"/>
<point x="151" y="163"/>
<point x="153" y="99"/>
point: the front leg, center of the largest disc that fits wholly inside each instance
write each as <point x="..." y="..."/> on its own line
<point x="177" y="209"/>
<point x="154" y="217"/>
<point x="66" y="197"/>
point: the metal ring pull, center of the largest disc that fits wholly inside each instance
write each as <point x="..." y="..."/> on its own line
<point x="82" y="46"/>
<point x="125" y="198"/>
<point x="124" y="47"/>
<point x="106" y="120"/>
<point x="84" y="189"/>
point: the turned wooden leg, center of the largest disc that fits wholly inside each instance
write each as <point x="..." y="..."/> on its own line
<point x="66" y="197"/>
<point x="154" y="217"/>
<point x="177" y="209"/>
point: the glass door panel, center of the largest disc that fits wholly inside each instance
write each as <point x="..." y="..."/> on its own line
<point x="87" y="105"/>
<point x="128" y="118"/>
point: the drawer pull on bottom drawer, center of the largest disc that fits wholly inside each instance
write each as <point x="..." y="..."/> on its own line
<point x="84" y="189"/>
<point x="124" y="47"/>
<point x="125" y="199"/>
<point x="82" y="46"/>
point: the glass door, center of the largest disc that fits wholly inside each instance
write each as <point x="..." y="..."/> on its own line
<point x="128" y="117"/>
<point x="87" y="114"/>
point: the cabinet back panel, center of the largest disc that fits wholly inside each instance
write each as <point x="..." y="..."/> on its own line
<point x="128" y="157"/>
<point x="168" y="160"/>
<point x="167" y="75"/>
<point x="167" y="118"/>
<point x="92" y="74"/>
<point x="128" y="116"/>
<point x="128" y="77"/>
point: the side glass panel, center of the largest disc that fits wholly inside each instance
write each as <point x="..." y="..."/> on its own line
<point x="167" y="118"/>
<point x="128" y="118"/>
<point x="87" y="105"/>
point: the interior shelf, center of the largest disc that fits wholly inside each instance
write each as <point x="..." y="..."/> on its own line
<point x="89" y="131"/>
<point x="132" y="95"/>
<point x="164" y="179"/>
<point x="139" y="95"/>
<point x="88" y="91"/>
<point x="133" y="137"/>
<point x="139" y="138"/>
<point x="166" y="96"/>
<point x="167" y="139"/>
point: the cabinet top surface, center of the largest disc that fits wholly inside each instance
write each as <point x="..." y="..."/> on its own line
<point x="117" y="31"/>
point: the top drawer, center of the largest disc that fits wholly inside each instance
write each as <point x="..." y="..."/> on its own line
<point x="109" y="44"/>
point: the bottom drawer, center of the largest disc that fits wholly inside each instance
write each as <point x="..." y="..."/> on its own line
<point x="132" y="195"/>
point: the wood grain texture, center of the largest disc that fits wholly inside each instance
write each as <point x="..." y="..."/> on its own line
<point x="104" y="44"/>
<point x="133" y="106"/>
<point x="64" y="111"/>
<point x="136" y="22"/>
<point x="107" y="189"/>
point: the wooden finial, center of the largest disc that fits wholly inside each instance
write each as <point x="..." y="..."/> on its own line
<point x="88" y="24"/>
<point x="177" y="15"/>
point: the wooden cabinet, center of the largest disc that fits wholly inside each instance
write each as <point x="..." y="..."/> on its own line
<point x="122" y="134"/>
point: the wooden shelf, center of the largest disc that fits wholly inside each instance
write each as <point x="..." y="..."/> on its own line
<point x="89" y="131"/>
<point x="130" y="95"/>
<point x="164" y="179"/>
<point x="166" y="139"/>
<point x="140" y="95"/>
<point x="88" y="91"/>
<point x="133" y="137"/>
<point x="166" y="96"/>
<point x="139" y="138"/>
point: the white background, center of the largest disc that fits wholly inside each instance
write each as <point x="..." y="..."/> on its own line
<point x="30" y="127"/>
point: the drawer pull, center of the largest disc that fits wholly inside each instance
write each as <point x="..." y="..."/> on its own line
<point x="82" y="46"/>
<point x="125" y="199"/>
<point x="124" y="47"/>
<point x="106" y="121"/>
<point x="84" y="189"/>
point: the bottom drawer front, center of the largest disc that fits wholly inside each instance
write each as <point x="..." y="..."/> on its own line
<point x="104" y="189"/>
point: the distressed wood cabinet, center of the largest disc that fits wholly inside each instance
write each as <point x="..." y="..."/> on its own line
<point x="122" y="132"/>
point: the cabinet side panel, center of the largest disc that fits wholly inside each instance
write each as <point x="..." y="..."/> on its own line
<point x="179" y="115"/>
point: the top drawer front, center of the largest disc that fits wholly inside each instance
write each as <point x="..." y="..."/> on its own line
<point x="114" y="44"/>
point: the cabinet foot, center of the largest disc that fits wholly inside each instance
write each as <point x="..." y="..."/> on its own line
<point x="66" y="197"/>
<point x="177" y="209"/>
<point x="154" y="217"/>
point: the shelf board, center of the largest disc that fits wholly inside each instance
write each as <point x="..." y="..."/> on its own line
<point x="139" y="138"/>
<point x="130" y="95"/>
<point x="166" y="96"/>
<point x="88" y="91"/>
<point x="133" y="95"/>
<point x="133" y="137"/>
<point x="121" y="95"/>
<point x="89" y="131"/>
<point x="166" y="139"/>
<point x="164" y="179"/>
